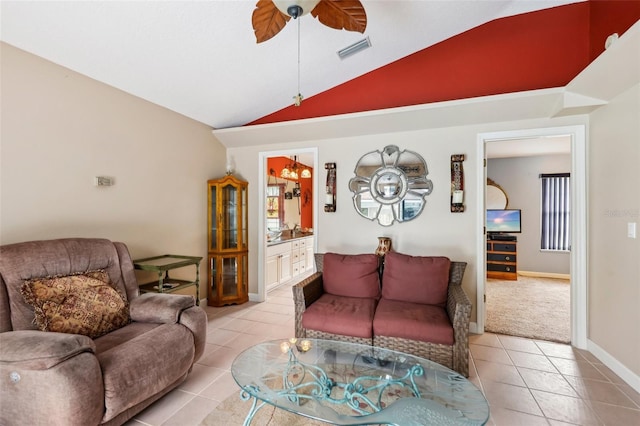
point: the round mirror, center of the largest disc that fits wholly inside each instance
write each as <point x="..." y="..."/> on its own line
<point x="390" y="185"/>
<point x="496" y="198"/>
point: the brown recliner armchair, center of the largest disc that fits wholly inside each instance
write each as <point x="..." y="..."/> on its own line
<point x="61" y="378"/>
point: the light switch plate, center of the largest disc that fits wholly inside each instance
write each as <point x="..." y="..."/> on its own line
<point x="103" y="181"/>
<point x="631" y="229"/>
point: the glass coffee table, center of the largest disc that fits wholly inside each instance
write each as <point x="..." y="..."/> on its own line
<point x="352" y="384"/>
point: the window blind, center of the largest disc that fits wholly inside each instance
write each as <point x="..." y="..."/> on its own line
<point x="556" y="212"/>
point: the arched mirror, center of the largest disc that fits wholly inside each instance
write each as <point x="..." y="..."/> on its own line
<point x="390" y="185"/>
<point x="496" y="196"/>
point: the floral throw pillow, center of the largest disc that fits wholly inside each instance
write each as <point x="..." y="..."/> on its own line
<point x="77" y="304"/>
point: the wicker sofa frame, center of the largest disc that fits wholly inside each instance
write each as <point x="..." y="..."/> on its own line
<point x="455" y="357"/>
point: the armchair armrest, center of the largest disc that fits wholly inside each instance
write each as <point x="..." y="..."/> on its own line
<point x="159" y="308"/>
<point x="41" y="350"/>
<point x="49" y="377"/>
<point x="305" y="293"/>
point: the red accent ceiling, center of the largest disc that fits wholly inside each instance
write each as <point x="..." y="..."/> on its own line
<point x="536" y="50"/>
<point x="608" y="17"/>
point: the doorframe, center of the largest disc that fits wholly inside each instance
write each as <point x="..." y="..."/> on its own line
<point x="578" y="262"/>
<point x="262" y="205"/>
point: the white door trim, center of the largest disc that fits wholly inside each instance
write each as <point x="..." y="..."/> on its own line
<point x="578" y="223"/>
<point x="262" y="205"/>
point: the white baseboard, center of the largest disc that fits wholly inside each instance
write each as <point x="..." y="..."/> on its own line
<point x="473" y="327"/>
<point x="616" y="366"/>
<point x="203" y="301"/>
<point x="255" y="297"/>
<point x="544" y="275"/>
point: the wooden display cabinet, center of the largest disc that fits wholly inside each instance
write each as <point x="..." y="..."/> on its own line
<point x="228" y="258"/>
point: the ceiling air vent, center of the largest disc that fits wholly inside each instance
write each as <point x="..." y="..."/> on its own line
<point x="356" y="47"/>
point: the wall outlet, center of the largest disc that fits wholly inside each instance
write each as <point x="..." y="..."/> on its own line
<point x="102" y="181"/>
<point x="631" y="229"/>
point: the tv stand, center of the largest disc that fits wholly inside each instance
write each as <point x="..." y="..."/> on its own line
<point x="501" y="258"/>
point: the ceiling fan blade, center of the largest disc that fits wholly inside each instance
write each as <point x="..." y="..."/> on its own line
<point x="341" y="14"/>
<point x="267" y="20"/>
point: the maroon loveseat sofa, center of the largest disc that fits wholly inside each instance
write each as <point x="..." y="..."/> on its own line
<point x="413" y="304"/>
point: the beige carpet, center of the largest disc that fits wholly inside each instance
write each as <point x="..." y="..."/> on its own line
<point x="537" y="308"/>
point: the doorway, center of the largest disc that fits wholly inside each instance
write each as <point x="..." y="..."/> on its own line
<point x="578" y="223"/>
<point x="304" y="156"/>
<point x="527" y="285"/>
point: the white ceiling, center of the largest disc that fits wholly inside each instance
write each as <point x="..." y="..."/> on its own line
<point x="200" y="58"/>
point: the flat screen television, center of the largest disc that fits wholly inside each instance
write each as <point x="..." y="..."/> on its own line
<point x="507" y="221"/>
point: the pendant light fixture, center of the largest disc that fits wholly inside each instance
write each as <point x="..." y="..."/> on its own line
<point x="296" y="9"/>
<point x="295" y="170"/>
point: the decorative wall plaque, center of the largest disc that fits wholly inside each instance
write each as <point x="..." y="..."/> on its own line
<point x="457" y="183"/>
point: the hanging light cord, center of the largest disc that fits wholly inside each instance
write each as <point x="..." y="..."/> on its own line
<point x="298" y="98"/>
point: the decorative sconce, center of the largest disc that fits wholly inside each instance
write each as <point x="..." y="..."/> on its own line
<point x="457" y="184"/>
<point x="330" y="196"/>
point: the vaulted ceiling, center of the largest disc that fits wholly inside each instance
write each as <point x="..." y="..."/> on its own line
<point x="201" y="59"/>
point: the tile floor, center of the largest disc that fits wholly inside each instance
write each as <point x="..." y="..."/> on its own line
<point x="526" y="382"/>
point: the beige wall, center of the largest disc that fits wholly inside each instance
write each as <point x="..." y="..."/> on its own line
<point x="60" y="129"/>
<point x="614" y="201"/>
<point x="436" y="231"/>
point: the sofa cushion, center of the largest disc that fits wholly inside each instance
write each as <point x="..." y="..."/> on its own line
<point x="413" y="321"/>
<point x="347" y="316"/>
<point x="146" y="363"/>
<point x="351" y="275"/>
<point x="77" y="304"/>
<point x="417" y="279"/>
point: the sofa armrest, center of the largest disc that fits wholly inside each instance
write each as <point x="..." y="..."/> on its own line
<point x="458" y="308"/>
<point x="458" y="304"/>
<point x="41" y="350"/>
<point x="159" y="308"/>
<point x="305" y="293"/>
<point x="459" y="311"/>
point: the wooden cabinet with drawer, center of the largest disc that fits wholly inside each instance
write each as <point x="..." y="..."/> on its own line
<point x="502" y="259"/>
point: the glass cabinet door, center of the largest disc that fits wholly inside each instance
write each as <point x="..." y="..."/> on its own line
<point x="245" y="218"/>
<point x="230" y="217"/>
<point x="230" y="276"/>
<point x="213" y="217"/>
